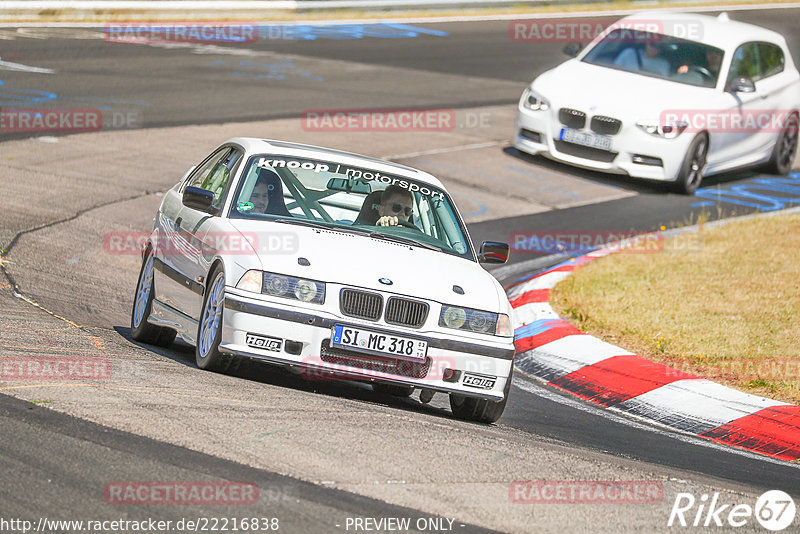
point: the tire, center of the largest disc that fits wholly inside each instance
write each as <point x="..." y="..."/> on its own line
<point x="691" y="173"/>
<point x="209" y="330"/>
<point x="393" y="390"/>
<point x="785" y="148"/>
<point x="480" y="410"/>
<point x="141" y="330"/>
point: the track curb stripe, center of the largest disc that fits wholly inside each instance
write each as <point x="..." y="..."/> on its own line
<point x="555" y="351"/>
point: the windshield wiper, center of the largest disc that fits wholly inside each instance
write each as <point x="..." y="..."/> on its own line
<point x="404" y="240"/>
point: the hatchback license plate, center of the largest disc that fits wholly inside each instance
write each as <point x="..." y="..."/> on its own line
<point x="586" y="139"/>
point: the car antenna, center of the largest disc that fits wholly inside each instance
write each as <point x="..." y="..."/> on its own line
<point x="723" y="17"/>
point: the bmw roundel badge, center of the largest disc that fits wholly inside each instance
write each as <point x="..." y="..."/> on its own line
<point x="385" y="281"/>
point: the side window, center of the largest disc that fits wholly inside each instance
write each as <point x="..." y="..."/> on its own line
<point x="745" y="62"/>
<point x="771" y="59"/>
<point x="215" y="174"/>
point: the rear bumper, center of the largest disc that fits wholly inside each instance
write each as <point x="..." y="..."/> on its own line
<point x="304" y="343"/>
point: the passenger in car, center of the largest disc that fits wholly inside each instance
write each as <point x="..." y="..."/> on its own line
<point x="649" y="59"/>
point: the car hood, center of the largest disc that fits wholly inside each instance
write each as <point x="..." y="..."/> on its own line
<point x="361" y="261"/>
<point x="603" y="90"/>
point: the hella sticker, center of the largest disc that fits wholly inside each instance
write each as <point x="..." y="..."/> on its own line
<point x="264" y="342"/>
<point x="479" y="381"/>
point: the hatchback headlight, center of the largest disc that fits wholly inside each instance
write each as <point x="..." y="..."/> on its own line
<point x="667" y="130"/>
<point x="533" y="101"/>
<point x="481" y="322"/>
<point x="279" y="285"/>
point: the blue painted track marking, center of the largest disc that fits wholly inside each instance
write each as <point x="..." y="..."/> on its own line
<point x="755" y="194"/>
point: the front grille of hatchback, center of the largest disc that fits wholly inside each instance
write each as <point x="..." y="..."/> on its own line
<point x="605" y="125"/>
<point x="572" y="118"/>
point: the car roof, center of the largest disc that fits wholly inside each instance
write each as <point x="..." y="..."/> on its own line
<point x="720" y="31"/>
<point x="274" y="147"/>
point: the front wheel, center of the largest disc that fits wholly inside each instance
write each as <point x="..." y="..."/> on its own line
<point x="785" y="148"/>
<point x="480" y="410"/>
<point x="141" y="330"/>
<point x="209" y="331"/>
<point x="691" y="173"/>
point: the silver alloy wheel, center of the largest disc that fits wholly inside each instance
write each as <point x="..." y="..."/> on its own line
<point x="143" y="291"/>
<point x="212" y="316"/>
<point x="697" y="165"/>
<point x="788" y="143"/>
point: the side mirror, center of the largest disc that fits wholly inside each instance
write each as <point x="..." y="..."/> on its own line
<point x="198" y="199"/>
<point x="741" y="84"/>
<point x="572" y="49"/>
<point x="494" y="252"/>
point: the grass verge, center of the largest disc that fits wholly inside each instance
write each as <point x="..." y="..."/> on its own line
<point x="726" y="308"/>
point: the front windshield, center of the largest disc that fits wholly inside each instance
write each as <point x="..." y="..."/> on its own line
<point x="314" y="192"/>
<point x="659" y="56"/>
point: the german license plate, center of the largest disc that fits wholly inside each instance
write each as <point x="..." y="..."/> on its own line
<point x="347" y="337"/>
<point x="586" y="139"/>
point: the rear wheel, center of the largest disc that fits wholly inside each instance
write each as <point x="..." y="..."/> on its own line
<point x="480" y="410"/>
<point x="141" y="330"/>
<point x="691" y="172"/>
<point x="785" y="148"/>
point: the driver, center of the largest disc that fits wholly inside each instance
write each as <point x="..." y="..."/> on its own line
<point x="395" y="202"/>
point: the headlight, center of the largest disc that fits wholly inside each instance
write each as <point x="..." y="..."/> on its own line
<point x="473" y="320"/>
<point x="251" y="281"/>
<point x="533" y="101"/>
<point x="279" y="285"/>
<point x="667" y="130"/>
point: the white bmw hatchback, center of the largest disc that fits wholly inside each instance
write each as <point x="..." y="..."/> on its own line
<point x="644" y="99"/>
<point x="331" y="264"/>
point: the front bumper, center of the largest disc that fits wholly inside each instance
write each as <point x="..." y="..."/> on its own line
<point x="305" y="336"/>
<point x="538" y="132"/>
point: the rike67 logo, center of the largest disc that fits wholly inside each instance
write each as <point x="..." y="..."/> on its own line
<point x="774" y="510"/>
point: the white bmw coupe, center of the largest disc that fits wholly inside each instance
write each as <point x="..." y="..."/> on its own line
<point x="332" y="264"/>
<point x="669" y="97"/>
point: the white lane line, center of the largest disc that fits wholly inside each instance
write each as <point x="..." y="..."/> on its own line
<point x="445" y="150"/>
<point x="639" y="423"/>
<point x="9" y="65"/>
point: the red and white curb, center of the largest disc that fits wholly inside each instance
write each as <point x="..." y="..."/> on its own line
<point x="556" y="352"/>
